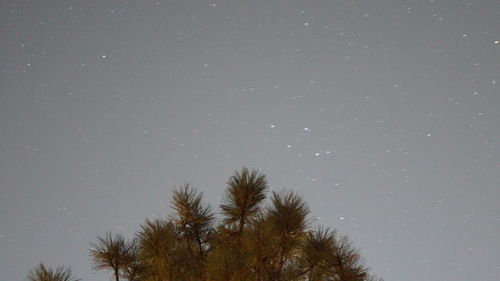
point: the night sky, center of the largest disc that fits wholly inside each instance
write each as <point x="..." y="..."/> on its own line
<point x="384" y="115"/>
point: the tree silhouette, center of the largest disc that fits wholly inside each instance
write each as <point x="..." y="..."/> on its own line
<point x="347" y="262"/>
<point x="133" y="265"/>
<point x="245" y="192"/>
<point x="160" y="251"/>
<point x="316" y="252"/>
<point x="111" y="253"/>
<point x="43" y="273"/>
<point x="253" y="240"/>
<point x="194" y="221"/>
<point x="287" y="215"/>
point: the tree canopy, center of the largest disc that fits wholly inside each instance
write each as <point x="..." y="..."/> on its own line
<point x="44" y="273"/>
<point x="249" y="241"/>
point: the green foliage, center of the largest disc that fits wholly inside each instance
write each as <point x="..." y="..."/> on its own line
<point x="43" y="273"/>
<point x="253" y="241"/>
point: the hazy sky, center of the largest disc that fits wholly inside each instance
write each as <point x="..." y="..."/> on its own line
<point x="384" y="115"/>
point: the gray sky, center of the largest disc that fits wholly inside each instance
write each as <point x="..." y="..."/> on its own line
<point x="384" y="115"/>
